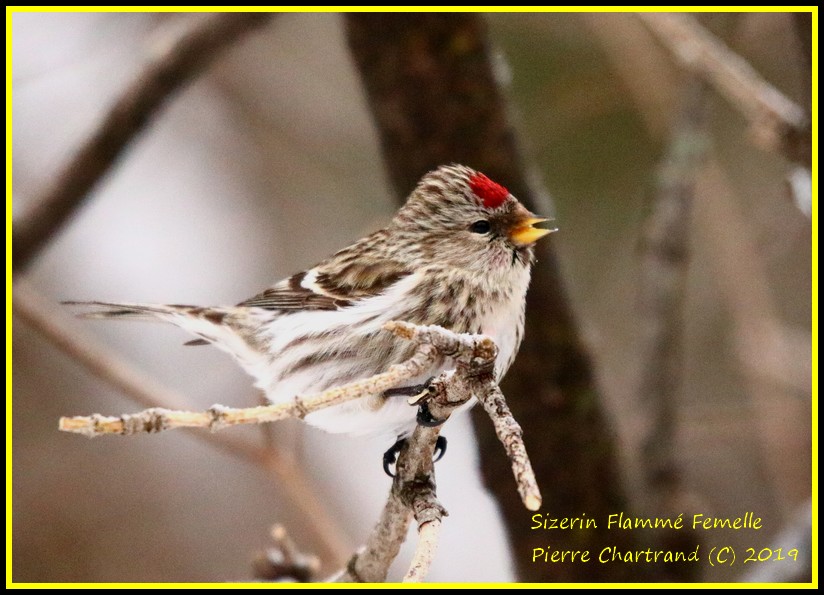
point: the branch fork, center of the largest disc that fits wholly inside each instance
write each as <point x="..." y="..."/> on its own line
<point x="413" y="492"/>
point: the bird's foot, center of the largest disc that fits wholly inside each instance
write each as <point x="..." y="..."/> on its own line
<point x="415" y="392"/>
<point x="391" y="455"/>
<point x="417" y="395"/>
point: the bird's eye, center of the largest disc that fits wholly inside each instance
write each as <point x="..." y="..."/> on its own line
<point x="481" y="226"/>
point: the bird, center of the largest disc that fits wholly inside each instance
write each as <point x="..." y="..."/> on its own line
<point x="457" y="254"/>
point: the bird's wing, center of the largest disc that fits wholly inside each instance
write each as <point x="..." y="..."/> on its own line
<point x="295" y="293"/>
<point x="329" y="287"/>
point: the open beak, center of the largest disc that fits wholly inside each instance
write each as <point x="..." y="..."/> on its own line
<point x="524" y="232"/>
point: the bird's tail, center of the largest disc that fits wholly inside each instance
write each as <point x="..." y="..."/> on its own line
<point x="222" y="326"/>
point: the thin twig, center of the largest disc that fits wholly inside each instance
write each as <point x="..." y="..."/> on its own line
<point x="370" y="563"/>
<point x="285" y="562"/>
<point x="511" y="436"/>
<point x="44" y="317"/>
<point x="474" y="357"/>
<point x="217" y="417"/>
<point x="180" y="62"/>
<point x="425" y="552"/>
<point x="415" y="486"/>
<point x="412" y="493"/>
<point x="777" y="121"/>
<point x="290" y="476"/>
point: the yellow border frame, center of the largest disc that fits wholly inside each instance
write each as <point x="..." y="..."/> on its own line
<point x="10" y="10"/>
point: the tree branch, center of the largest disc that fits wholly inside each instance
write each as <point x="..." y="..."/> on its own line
<point x="510" y="434"/>
<point x="370" y="564"/>
<point x="663" y="272"/>
<point x="157" y="419"/>
<point x="413" y="488"/>
<point x="44" y="317"/>
<point x="412" y="494"/>
<point x="428" y="534"/>
<point x="180" y="62"/>
<point x="474" y="354"/>
<point x="285" y="562"/>
<point x="664" y="265"/>
<point x="778" y="123"/>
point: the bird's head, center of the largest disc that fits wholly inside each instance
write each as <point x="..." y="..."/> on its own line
<point x="459" y="217"/>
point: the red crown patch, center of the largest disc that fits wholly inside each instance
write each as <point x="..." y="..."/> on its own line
<point x="491" y="193"/>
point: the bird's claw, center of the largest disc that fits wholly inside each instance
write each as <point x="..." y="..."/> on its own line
<point x="440" y="449"/>
<point x="391" y="455"/>
<point x="418" y="395"/>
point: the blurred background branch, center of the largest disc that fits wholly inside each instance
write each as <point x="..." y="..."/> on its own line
<point x="664" y="257"/>
<point x="284" y="562"/>
<point x="777" y="122"/>
<point x="178" y="60"/>
<point x="65" y="334"/>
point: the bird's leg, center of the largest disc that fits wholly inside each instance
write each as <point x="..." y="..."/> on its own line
<point x="415" y="391"/>
<point x="417" y="396"/>
<point x="391" y="455"/>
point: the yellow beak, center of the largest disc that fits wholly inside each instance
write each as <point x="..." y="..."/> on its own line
<point x="524" y="233"/>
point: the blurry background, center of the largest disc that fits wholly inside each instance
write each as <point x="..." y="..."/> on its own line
<point x="269" y="162"/>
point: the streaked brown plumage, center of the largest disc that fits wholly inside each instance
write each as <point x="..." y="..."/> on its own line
<point x="458" y="254"/>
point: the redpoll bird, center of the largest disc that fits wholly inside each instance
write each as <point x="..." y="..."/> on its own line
<point x="458" y="254"/>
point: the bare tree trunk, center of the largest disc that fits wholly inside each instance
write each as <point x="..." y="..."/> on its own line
<point x="430" y="83"/>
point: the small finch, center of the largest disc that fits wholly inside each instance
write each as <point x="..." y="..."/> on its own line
<point x="458" y="254"/>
